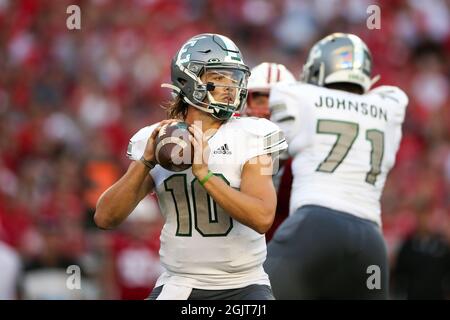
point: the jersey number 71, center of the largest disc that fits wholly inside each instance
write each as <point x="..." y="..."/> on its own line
<point x="346" y="135"/>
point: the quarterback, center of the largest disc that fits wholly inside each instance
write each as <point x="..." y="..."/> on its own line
<point x="217" y="211"/>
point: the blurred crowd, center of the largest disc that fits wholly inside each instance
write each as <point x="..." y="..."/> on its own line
<point x="71" y="99"/>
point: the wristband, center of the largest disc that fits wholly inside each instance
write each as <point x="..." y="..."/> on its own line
<point x="147" y="163"/>
<point x="206" y="178"/>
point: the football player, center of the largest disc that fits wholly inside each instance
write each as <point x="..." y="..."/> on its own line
<point x="217" y="211"/>
<point x="343" y="137"/>
<point x="261" y="80"/>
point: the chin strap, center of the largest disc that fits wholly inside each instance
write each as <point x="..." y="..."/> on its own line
<point x="189" y="102"/>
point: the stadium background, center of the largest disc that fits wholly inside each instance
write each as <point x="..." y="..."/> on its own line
<point x="70" y="100"/>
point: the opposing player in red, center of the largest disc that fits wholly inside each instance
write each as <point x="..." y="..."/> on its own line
<point x="263" y="77"/>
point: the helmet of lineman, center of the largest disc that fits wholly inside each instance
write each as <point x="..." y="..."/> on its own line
<point x="266" y="74"/>
<point x="219" y="58"/>
<point x="339" y="58"/>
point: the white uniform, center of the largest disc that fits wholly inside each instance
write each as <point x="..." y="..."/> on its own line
<point x="10" y="265"/>
<point x="343" y="144"/>
<point x="202" y="247"/>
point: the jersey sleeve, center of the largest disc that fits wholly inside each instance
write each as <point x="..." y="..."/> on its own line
<point x="264" y="137"/>
<point x="284" y="110"/>
<point x="396" y="98"/>
<point x="136" y="146"/>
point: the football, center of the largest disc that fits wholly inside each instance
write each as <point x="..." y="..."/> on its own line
<point x="174" y="151"/>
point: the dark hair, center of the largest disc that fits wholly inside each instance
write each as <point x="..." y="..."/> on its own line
<point x="177" y="109"/>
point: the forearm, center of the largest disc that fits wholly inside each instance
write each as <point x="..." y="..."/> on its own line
<point x="251" y="211"/>
<point x="118" y="201"/>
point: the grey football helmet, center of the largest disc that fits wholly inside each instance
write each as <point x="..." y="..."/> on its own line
<point x="205" y="63"/>
<point x="339" y="57"/>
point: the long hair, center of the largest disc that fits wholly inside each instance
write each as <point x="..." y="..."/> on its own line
<point x="177" y="108"/>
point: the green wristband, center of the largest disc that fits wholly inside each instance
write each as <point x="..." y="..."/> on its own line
<point x="206" y="178"/>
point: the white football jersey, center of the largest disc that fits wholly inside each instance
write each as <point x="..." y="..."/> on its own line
<point x="343" y="144"/>
<point x="201" y="245"/>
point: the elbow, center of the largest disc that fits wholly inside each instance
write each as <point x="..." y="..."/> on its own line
<point x="263" y="228"/>
<point x="102" y="221"/>
<point x="104" y="217"/>
<point x="265" y="223"/>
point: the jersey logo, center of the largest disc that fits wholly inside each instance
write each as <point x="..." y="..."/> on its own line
<point x="222" y="150"/>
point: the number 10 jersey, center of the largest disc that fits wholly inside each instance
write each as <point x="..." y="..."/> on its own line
<point x="202" y="247"/>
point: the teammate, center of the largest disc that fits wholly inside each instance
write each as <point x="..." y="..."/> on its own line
<point x="262" y="78"/>
<point x="216" y="212"/>
<point x="343" y="138"/>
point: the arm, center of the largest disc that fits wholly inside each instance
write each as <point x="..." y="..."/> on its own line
<point x="255" y="203"/>
<point x="119" y="200"/>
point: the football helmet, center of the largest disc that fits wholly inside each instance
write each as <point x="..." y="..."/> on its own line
<point x="339" y="57"/>
<point x="266" y="74"/>
<point x="209" y="74"/>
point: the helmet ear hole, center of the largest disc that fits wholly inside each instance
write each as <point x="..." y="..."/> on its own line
<point x="182" y="81"/>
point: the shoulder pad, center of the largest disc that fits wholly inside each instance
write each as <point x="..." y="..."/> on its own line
<point x="392" y="93"/>
<point x="266" y="137"/>
<point x="256" y="126"/>
<point x="138" y="141"/>
<point x="396" y="98"/>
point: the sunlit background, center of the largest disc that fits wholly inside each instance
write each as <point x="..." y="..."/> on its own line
<point x="71" y="99"/>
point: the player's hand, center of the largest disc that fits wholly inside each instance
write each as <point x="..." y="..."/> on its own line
<point x="149" y="153"/>
<point x="201" y="152"/>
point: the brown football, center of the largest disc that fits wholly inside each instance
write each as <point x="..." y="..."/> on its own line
<point x="174" y="151"/>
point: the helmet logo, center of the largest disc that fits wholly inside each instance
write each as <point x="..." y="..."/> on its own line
<point x="183" y="59"/>
<point x="344" y="57"/>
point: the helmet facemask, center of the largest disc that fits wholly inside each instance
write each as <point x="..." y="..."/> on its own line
<point x="221" y="91"/>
